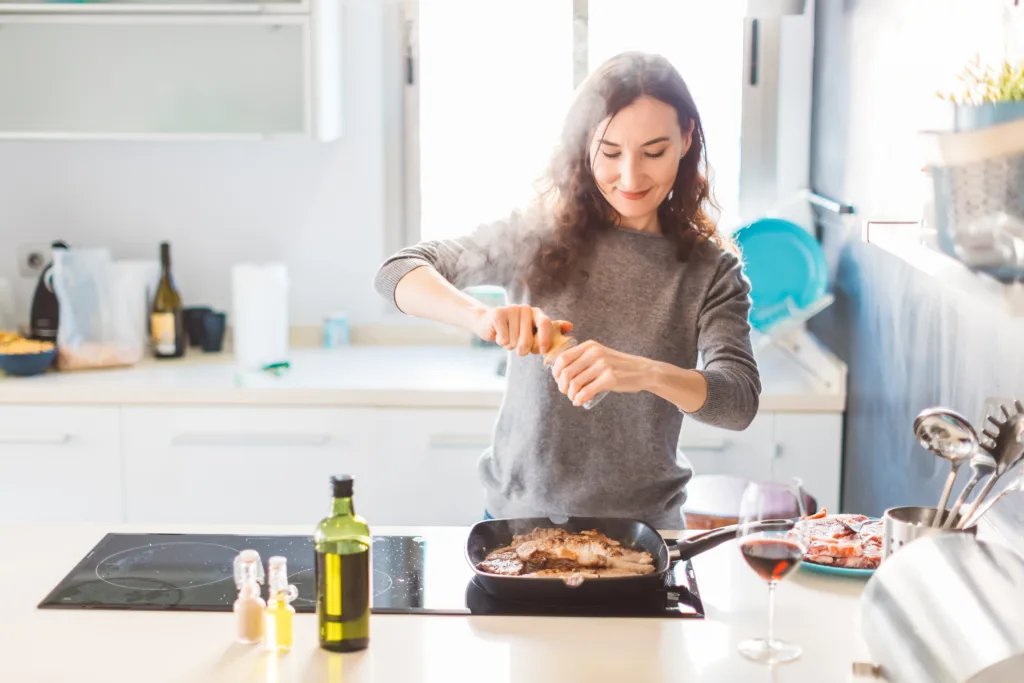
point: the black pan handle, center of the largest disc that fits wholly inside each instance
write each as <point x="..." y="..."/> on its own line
<point x="691" y="547"/>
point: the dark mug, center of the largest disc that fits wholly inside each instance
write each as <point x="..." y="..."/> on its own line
<point x="214" y="325"/>
<point x="194" y="317"/>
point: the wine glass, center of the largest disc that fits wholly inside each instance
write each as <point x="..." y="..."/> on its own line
<point x="773" y="554"/>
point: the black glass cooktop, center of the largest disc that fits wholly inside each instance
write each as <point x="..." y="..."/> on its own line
<point x="411" y="575"/>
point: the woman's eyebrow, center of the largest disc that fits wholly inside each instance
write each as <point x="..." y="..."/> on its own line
<point x="646" y="144"/>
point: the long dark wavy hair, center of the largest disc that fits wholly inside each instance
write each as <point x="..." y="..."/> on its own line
<point x="579" y="208"/>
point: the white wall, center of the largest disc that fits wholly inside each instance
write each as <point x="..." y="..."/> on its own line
<point x="877" y="92"/>
<point x="320" y="208"/>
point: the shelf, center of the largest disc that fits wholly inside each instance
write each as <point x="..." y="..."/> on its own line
<point x="916" y="246"/>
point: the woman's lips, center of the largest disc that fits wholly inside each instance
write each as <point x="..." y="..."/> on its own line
<point x="634" y="195"/>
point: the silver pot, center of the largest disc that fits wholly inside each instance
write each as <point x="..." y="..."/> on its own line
<point x="901" y="525"/>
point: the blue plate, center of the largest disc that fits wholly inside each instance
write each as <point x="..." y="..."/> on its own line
<point x="835" y="571"/>
<point x="786" y="268"/>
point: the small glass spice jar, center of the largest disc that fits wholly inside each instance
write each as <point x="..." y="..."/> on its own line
<point x="560" y="343"/>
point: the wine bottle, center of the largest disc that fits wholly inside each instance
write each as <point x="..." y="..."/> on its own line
<point x="342" y="546"/>
<point x="167" y="322"/>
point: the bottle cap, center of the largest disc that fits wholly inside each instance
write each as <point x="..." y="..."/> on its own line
<point x="341" y="486"/>
<point x="248" y="568"/>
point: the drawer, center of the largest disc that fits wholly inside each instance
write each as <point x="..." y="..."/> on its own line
<point x="60" y="464"/>
<point x="432" y="456"/>
<point x="240" y="465"/>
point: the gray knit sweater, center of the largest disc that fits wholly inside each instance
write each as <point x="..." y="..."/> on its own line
<point x="620" y="458"/>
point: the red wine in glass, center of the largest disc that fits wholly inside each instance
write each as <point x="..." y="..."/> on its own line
<point x="771" y="558"/>
<point x="772" y="553"/>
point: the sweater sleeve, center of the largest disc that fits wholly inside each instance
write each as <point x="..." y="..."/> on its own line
<point x="493" y="254"/>
<point x="723" y="340"/>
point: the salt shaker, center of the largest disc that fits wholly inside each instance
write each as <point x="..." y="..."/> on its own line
<point x="249" y="606"/>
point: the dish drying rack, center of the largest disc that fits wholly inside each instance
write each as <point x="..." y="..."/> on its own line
<point x="791" y="338"/>
<point x="790" y="335"/>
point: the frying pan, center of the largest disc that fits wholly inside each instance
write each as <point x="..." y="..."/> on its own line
<point x="491" y="534"/>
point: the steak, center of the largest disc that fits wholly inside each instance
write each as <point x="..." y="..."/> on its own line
<point x="828" y="542"/>
<point x="557" y="553"/>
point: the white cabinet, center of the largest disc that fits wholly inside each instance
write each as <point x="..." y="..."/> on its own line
<point x="805" y="446"/>
<point x="59" y="464"/>
<point x="171" y="70"/>
<point x="240" y="465"/>
<point x="712" y="450"/>
<point x="271" y="465"/>
<point x="809" y="448"/>
<point x="425" y="462"/>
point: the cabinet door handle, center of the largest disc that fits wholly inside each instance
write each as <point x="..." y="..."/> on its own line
<point x="460" y="440"/>
<point x="225" y="439"/>
<point x="703" y="444"/>
<point x="35" y="439"/>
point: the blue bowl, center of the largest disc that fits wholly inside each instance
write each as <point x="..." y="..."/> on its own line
<point x="27" y="364"/>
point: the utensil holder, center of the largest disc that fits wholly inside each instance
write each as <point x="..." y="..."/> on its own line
<point x="901" y="525"/>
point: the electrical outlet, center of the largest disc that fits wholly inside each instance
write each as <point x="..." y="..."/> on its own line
<point x="32" y="258"/>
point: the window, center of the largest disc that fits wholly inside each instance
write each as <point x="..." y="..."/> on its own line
<point x="494" y="80"/>
<point x="476" y="158"/>
<point x="704" y="42"/>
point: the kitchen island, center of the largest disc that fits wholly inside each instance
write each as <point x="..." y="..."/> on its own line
<point x="817" y="611"/>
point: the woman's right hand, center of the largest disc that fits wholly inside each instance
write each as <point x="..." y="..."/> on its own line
<point x="513" y="328"/>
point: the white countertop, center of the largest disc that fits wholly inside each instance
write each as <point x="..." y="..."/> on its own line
<point x="817" y="611"/>
<point x="386" y="376"/>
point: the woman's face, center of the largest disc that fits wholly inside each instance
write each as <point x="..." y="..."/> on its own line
<point x="635" y="156"/>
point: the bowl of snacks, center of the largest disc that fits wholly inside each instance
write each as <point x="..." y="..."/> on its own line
<point x="20" y="357"/>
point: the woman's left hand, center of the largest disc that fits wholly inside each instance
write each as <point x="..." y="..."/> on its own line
<point x="584" y="371"/>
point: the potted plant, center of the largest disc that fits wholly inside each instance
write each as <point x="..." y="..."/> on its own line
<point x="987" y="96"/>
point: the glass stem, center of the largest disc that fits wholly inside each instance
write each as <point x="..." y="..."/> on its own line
<point x="771" y="614"/>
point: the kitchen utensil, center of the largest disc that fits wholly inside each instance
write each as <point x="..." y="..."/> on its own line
<point x="948" y="435"/>
<point x="902" y="525"/>
<point x="1004" y="445"/>
<point x="856" y="526"/>
<point x="786" y="268"/>
<point x="492" y="534"/>
<point x="1016" y="485"/>
<point x="946" y="608"/>
<point x="984" y="465"/>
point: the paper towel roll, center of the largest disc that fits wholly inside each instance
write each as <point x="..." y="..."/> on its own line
<point x="259" y="314"/>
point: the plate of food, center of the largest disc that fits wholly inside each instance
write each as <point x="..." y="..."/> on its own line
<point x="843" y="545"/>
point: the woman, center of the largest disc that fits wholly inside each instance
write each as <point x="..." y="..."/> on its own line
<point x="621" y="252"/>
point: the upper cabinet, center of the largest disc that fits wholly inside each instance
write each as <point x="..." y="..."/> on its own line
<point x="171" y="70"/>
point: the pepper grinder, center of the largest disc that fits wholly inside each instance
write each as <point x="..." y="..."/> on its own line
<point x="561" y="342"/>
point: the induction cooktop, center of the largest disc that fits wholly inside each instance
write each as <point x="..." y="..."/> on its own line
<point x="425" y="574"/>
